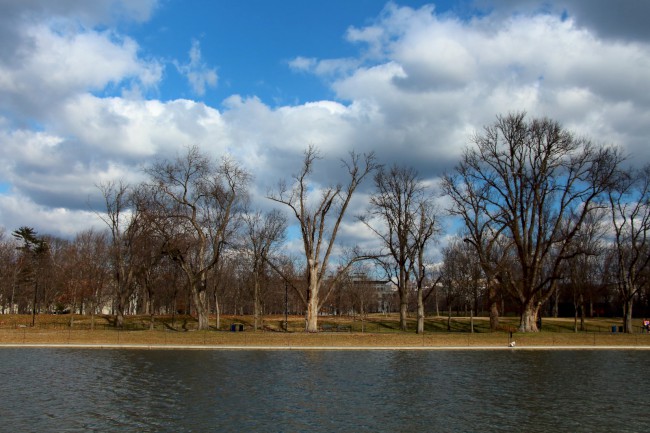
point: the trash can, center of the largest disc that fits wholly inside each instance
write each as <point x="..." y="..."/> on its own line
<point x="614" y="329"/>
<point x="233" y="327"/>
<point x="241" y="328"/>
<point x="620" y="329"/>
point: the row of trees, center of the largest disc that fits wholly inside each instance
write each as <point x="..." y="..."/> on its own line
<point x="543" y="212"/>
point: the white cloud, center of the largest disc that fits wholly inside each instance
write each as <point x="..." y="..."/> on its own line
<point x="19" y="211"/>
<point x="420" y="85"/>
<point x="325" y="68"/>
<point x="198" y="74"/>
<point x="48" y="67"/>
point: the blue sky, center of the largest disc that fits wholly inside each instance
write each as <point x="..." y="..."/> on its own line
<point x="250" y="43"/>
<point x="93" y="91"/>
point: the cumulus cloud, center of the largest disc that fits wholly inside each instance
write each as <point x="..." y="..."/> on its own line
<point x="198" y="74"/>
<point x="48" y="63"/>
<point x="622" y="20"/>
<point x="420" y="84"/>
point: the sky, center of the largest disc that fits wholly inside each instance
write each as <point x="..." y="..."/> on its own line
<point x="93" y="91"/>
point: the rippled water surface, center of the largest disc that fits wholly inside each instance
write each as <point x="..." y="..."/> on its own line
<point x="321" y="391"/>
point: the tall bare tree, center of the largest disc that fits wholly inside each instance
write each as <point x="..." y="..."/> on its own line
<point x="402" y="216"/>
<point x="264" y="233"/>
<point x="585" y="271"/>
<point x="319" y="223"/>
<point x="470" y="197"/>
<point x="124" y="221"/>
<point x="536" y="183"/>
<point x="197" y="204"/>
<point x="630" y="213"/>
<point x="8" y="272"/>
<point x="462" y="275"/>
<point x="88" y="274"/>
<point x="422" y="232"/>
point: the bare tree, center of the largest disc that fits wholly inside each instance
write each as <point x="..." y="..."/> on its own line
<point x="630" y="212"/>
<point x="316" y="227"/>
<point x="88" y="275"/>
<point x="196" y="204"/>
<point x="422" y="232"/>
<point x="537" y="183"/>
<point x="401" y="217"/>
<point x="124" y="222"/>
<point x="263" y="235"/>
<point x="471" y="197"/>
<point x="584" y="271"/>
<point x="462" y="276"/>
<point x="8" y="272"/>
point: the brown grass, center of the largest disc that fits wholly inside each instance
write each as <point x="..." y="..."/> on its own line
<point x="376" y="331"/>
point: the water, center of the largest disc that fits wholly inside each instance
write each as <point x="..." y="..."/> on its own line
<point x="68" y="390"/>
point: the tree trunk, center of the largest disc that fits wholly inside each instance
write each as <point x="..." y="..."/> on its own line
<point x="257" y="305"/>
<point x="471" y="320"/>
<point x="311" y="318"/>
<point x="151" y="312"/>
<point x="402" y="290"/>
<point x="435" y="297"/>
<point x="582" y="312"/>
<point x="217" y="310"/>
<point x="121" y="308"/>
<point x="202" y="308"/>
<point x="627" y="321"/>
<point x="403" y="313"/>
<point x="494" y="308"/>
<point x="311" y="324"/>
<point x="528" y="322"/>
<point x="494" y="316"/>
<point x="420" y="328"/>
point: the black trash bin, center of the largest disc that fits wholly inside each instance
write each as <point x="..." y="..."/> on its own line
<point x="241" y="328"/>
<point x="620" y="329"/>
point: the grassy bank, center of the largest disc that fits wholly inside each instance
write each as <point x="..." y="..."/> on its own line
<point x="375" y="331"/>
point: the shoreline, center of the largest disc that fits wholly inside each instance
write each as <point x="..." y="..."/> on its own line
<point x="100" y="346"/>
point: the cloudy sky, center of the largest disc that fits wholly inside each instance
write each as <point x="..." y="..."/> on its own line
<point x="95" y="90"/>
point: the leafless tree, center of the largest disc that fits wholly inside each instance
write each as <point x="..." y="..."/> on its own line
<point x="584" y="271"/>
<point x="630" y="213"/>
<point x="462" y="276"/>
<point x="264" y="233"/>
<point x="87" y="273"/>
<point x="319" y="224"/>
<point x="424" y="229"/>
<point x="471" y="197"/>
<point x="125" y="224"/>
<point x="8" y="272"/>
<point x="196" y="204"/>
<point x="536" y="183"/>
<point x="402" y="217"/>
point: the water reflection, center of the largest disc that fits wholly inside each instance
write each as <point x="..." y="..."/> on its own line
<point x="312" y="391"/>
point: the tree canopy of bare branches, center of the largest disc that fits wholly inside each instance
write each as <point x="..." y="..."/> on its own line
<point x="534" y="182"/>
<point x="630" y="212"/>
<point x="319" y="222"/>
<point x="196" y="206"/>
<point x="402" y="215"/>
